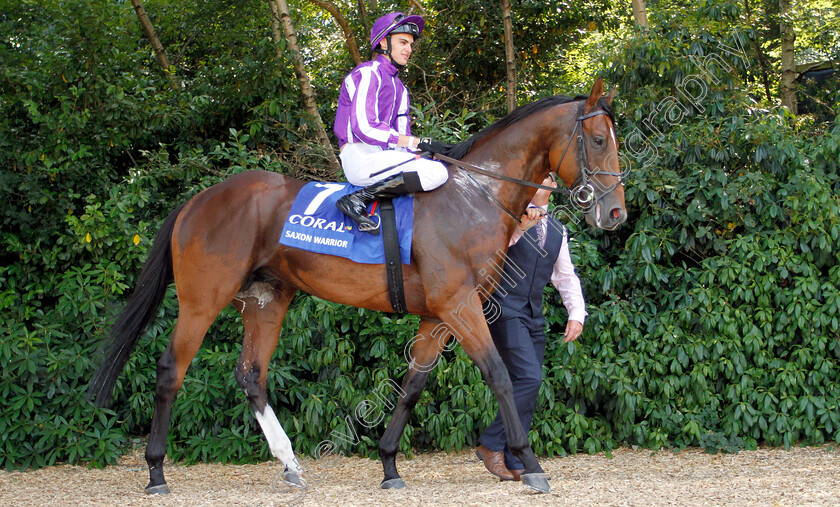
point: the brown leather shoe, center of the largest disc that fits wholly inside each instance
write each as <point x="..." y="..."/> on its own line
<point x="494" y="461"/>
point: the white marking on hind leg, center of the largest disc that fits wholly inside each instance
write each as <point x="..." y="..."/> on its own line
<point x="278" y="442"/>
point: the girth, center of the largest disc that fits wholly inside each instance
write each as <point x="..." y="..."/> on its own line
<point x="393" y="263"/>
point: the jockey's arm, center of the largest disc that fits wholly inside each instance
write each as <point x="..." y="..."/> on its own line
<point x="408" y="142"/>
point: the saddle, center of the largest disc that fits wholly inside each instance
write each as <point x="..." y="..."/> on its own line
<point x="316" y="225"/>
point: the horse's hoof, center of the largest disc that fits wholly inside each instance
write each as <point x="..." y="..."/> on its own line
<point x="160" y="489"/>
<point x="397" y="483"/>
<point x="293" y="478"/>
<point x="536" y="481"/>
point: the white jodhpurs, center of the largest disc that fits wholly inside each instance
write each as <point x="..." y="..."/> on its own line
<point x="362" y="162"/>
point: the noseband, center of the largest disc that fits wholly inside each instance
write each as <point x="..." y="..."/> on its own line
<point x="583" y="193"/>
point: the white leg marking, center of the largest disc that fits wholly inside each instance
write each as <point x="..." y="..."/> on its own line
<point x="278" y="442"/>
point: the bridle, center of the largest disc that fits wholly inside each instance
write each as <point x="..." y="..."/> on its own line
<point x="582" y="193"/>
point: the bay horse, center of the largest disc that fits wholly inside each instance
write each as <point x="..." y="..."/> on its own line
<point x="221" y="247"/>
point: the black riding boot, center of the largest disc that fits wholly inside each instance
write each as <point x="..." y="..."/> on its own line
<point x="355" y="205"/>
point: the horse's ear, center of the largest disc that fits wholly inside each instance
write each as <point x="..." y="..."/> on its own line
<point x="595" y="94"/>
<point x="611" y="96"/>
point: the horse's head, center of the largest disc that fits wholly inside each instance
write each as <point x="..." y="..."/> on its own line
<point x="593" y="174"/>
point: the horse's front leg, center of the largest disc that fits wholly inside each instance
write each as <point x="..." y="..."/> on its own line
<point x="423" y="356"/>
<point x="470" y="328"/>
<point x="496" y="375"/>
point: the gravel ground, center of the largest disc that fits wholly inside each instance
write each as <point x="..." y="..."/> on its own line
<point x="768" y="476"/>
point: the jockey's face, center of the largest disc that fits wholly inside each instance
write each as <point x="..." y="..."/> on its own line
<point x="401" y="47"/>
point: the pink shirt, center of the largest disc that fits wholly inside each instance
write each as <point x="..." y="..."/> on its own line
<point x="563" y="277"/>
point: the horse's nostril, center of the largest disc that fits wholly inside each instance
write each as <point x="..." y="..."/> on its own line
<point x="615" y="213"/>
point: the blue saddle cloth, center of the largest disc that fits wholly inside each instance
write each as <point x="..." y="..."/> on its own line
<point x="316" y="225"/>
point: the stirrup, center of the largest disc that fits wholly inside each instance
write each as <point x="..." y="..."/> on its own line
<point x="354" y="206"/>
<point x="370" y="226"/>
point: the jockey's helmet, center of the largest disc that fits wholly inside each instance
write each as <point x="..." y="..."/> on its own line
<point x="396" y="22"/>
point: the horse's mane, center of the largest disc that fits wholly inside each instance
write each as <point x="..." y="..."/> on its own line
<point x="458" y="151"/>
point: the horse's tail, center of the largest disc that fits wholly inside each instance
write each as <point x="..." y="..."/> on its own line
<point x="141" y="307"/>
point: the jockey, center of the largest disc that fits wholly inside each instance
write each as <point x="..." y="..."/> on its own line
<point x="373" y="126"/>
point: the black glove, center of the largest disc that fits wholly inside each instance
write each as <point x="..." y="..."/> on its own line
<point x="432" y="146"/>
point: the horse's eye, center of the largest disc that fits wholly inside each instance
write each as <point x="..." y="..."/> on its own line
<point x="598" y="140"/>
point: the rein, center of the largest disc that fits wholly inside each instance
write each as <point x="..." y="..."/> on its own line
<point x="498" y="176"/>
<point x="582" y="190"/>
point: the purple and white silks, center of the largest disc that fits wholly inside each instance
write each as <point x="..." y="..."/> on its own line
<point x="373" y="111"/>
<point x="373" y="106"/>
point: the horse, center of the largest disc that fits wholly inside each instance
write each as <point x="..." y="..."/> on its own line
<point x="221" y="247"/>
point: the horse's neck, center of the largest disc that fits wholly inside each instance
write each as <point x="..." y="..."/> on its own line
<point x="463" y="197"/>
<point x="521" y="151"/>
<point x="521" y="160"/>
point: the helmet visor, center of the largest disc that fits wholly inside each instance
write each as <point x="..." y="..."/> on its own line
<point x="409" y="28"/>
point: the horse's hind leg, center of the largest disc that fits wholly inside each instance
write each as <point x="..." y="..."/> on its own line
<point x="424" y="355"/>
<point x="263" y="308"/>
<point x="172" y="366"/>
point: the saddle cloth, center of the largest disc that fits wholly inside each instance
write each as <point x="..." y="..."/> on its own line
<point x="316" y="225"/>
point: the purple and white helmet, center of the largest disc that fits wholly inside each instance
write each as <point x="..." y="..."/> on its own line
<point x="396" y="22"/>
